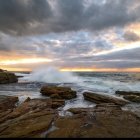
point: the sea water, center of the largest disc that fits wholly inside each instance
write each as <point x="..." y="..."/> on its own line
<point x="99" y="82"/>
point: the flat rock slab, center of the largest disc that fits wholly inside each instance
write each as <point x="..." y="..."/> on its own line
<point x="31" y="119"/>
<point x="99" y="98"/>
<point x="102" y="121"/>
<point x="58" y="92"/>
<point x="27" y="126"/>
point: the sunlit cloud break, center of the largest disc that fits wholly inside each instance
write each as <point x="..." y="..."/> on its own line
<point x="25" y="61"/>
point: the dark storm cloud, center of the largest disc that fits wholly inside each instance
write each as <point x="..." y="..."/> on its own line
<point x="112" y="13"/>
<point x="16" y="15"/>
<point x="131" y="36"/>
<point x="71" y="14"/>
<point x="39" y="16"/>
<point x="3" y="47"/>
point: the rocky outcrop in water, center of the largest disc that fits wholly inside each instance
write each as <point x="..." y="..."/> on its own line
<point x="127" y="93"/>
<point x="7" y="77"/>
<point x="132" y="98"/>
<point x="99" y="98"/>
<point x="58" y="92"/>
<point x="130" y="95"/>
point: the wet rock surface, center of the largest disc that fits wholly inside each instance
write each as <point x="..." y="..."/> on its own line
<point x="58" y="92"/>
<point x="34" y="118"/>
<point x="30" y="119"/>
<point x="102" y="121"/>
<point x="99" y="98"/>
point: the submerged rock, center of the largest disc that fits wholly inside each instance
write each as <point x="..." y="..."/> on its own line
<point x="7" y="102"/>
<point x="7" y="77"/>
<point x="58" y="92"/>
<point x="128" y="93"/>
<point x="132" y="98"/>
<point x="102" y="121"/>
<point x="98" y="98"/>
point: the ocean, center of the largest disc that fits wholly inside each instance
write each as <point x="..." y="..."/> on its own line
<point x="29" y="85"/>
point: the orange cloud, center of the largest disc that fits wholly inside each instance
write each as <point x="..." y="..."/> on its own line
<point x="135" y="27"/>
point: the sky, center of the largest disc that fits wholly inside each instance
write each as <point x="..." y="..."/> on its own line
<point x="71" y="35"/>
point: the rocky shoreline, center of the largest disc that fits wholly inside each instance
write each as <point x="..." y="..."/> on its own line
<point x="7" y="77"/>
<point x="40" y="118"/>
<point x="34" y="118"/>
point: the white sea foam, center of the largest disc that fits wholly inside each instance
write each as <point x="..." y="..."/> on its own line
<point x="95" y="84"/>
<point x="51" y="75"/>
<point x="100" y="83"/>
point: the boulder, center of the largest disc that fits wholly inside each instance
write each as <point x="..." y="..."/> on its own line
<point x="128" y="93"/>
<point x="132" y="98"/>
<point x="7" y="77"/>
<point x="102" y="121"/>
<point x="99" y="98"/>
<point x="7" y="102"/>
<point x="58" y="92"/>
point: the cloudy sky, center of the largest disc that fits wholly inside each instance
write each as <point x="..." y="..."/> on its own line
<point x="91" y="35"/>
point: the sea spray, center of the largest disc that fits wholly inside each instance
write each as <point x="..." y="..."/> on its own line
<point x="52" y="75"/>
<point x="107" y="83"/>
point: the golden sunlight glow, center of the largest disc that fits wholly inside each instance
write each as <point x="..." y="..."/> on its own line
<point x="24" y="61"/>
<point x="77" y="69"/>
<point x="16" y="69"/>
